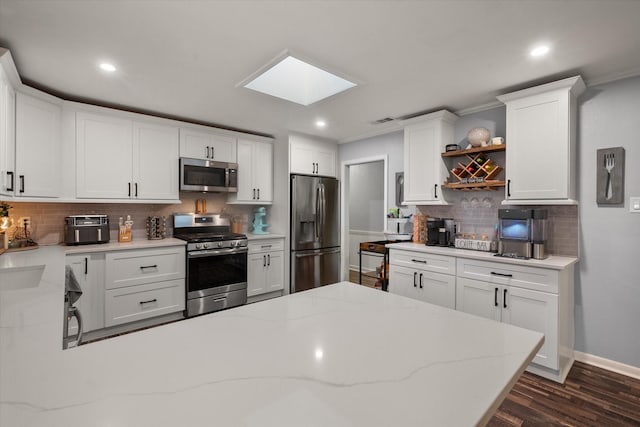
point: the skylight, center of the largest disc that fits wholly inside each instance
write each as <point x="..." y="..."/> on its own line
<point x="299" y="82"/>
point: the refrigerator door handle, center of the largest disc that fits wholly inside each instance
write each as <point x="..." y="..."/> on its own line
<point x="316" y="223"/>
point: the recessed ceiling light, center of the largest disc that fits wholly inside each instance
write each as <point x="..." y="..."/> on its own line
<point x="107" y="67"/>
<point x="320" y="123"/>
<point x="298" y="81"/>
<point x="540" y="50"/>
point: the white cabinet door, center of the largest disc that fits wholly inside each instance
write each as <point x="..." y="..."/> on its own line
<point x="402" y="281"/>
<point x="536" y="311"/>
<point x="155" y="162"/>
<point x="89" y="270"/>
<point x="541" y="134"/>
<point x="7" y="136"/>
<point x="246" y="172"/>
<point x="207" y="146"/>
<point x="436" y="288"/>
<point x="424" y="169"/>
<point x="263" y="171"/>
<point x="256" y="280"/>
<point x="326" y="161"/>
<point x="104" y="153"/>
<point x="38" y="147"/>
<point x="275" y="271"/>
<point x="479" y="298"/>
<point x="302" y="159"/>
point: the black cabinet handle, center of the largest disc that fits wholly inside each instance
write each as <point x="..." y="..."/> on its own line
<point x="208" y="155"/>
<point x="86" y="265"/>
<point x="493" y="273"/>
<point x="264" y="260"/>
<point x="420" y="280"/>
<point x="149" y="301"/>
<point x="421" y="261"/>
<point x="504" y="298"/>
<point x="495" y="297"/>
<point x="142" y="267"/>
<point x="21" y="183"/>
<point x="213" y="152"/>
<point x="254" y="194"/>
<point x="269" y="260"/>
<point x="415" y="273"/>
<point x="11" y="175"/>
<point x="508" y="188"/>
<point x="136" y="185"/>
<point x="258" y="194"/>
<point x="435" y="190"/>
<point x="129" y="192"/>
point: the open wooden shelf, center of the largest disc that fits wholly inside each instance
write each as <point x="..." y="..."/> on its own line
<point x="477" y="186"/>
<point x="477" y="171"/>
<point x="487" y="149"/>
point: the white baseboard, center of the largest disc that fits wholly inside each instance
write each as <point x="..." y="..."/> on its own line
<point x="610" y="365"/>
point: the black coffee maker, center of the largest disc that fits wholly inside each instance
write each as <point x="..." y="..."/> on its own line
<point x="433" y="231"/>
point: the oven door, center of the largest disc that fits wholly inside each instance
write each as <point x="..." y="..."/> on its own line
<point x="207" y="175"/>
<point x="216" y="271"/>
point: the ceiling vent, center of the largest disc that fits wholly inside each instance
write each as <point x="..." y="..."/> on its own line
<point x="385" y="120"/>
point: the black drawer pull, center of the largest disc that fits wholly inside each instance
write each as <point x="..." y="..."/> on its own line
<point x="148" y="266"/>
<point x="148" y="302"/>
<point x="493" y="273"/>
<point x="421" y="261"/>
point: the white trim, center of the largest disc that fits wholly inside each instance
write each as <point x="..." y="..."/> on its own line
<point x="610" y="365"/>
<point x="344" y="203"/>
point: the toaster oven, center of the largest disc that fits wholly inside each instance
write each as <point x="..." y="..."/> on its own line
<point x="86" y="229"/>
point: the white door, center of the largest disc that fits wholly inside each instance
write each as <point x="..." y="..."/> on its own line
<point x="478" y="298"/>
<point x="538" y="151"/>
<point x="38" y="147"/>
<point x="246" y="171"/>
<point x="275" y="271"/>
<point x="155" y="162"/>
<point x="263" y="171"/>
<point x="419" y="161"/>
<point x="536" y="311"/>
<point x="256" y="280"/>
<point x="325" y="161"/>
<point x="104" y="150"/>
<point x="436" y="288"/>
<point x="89" y="271"/>
<point x="7" y="136"/>
<point x="302" y="159"/>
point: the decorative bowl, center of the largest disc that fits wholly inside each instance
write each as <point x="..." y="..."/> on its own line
<point x="478" y="137"/>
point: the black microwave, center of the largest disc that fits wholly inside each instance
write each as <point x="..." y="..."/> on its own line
<point x="208" y="176"/>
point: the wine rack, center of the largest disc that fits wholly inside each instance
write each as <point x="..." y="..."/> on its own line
<point x="476" y="170"/>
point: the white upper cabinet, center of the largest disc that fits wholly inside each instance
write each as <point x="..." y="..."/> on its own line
<point x="255" y="173"/>
<point x="7" y="135"/>
<point x="155" y="161"/>
<point x="541" y="134"/>
<point x="424" y="169"/>
<point x="122" y="159"/>
<point x="38" y="147"/>
<point x="204" y="145"/>
<point x="311" y="157"/>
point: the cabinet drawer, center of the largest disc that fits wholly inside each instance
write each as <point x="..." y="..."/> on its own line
<point x="131" y="268"/>
<point x="538" y="279"/>
<point x="133" y="303"/>
<point x="423" y="261"/>
<point x="257" y="246"/>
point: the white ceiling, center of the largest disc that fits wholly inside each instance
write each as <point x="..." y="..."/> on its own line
<point x="185" y="58"/>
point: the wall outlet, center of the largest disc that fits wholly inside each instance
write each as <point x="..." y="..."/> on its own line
<point x="634" y="204"/>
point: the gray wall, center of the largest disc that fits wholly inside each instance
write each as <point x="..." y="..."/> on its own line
<point x="366" y="196"/>
<point x="608" y="287"/>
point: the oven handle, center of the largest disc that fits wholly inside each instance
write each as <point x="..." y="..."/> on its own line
<point x="225" y="251"/>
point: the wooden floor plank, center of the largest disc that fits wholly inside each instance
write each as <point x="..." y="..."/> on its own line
<point x="590" y="396"/>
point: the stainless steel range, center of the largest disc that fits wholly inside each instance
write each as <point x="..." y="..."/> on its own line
<point x="216" y="262"/>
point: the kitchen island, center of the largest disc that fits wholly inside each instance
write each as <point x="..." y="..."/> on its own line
<point x="340" y="355"/>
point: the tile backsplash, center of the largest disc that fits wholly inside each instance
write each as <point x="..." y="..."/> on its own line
<point x="477" y="213"/>
<point x="48" y="218"/>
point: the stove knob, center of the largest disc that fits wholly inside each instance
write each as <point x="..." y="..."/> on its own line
<point x="198" y="246"/>
<point x="233" y="244"/>
<point x="205" y="245"/>
<point x="219" y="244"/>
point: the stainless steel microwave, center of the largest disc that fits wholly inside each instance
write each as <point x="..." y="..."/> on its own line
<point x="208" y="176"/>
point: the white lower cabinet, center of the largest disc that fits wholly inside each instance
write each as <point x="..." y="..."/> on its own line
<point x="89" y="271"/>
<point x="426" y="277"/>
<point x="265" y="267"/>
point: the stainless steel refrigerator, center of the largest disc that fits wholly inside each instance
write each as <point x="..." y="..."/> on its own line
<point x="315" y="232"/>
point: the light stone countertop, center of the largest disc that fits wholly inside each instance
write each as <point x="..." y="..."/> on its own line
<point x="553" y="262"/>
<point x="340" y="355"/>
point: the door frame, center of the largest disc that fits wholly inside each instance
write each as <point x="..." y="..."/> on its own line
<point x="344" y="203"/>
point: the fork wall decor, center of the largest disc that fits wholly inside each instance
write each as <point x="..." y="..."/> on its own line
<point x="610" y="176"/>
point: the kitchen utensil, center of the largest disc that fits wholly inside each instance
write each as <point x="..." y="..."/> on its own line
<point x="609" y="164"/>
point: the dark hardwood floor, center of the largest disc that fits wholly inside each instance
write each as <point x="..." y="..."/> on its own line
<point x="590" y="396"/>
